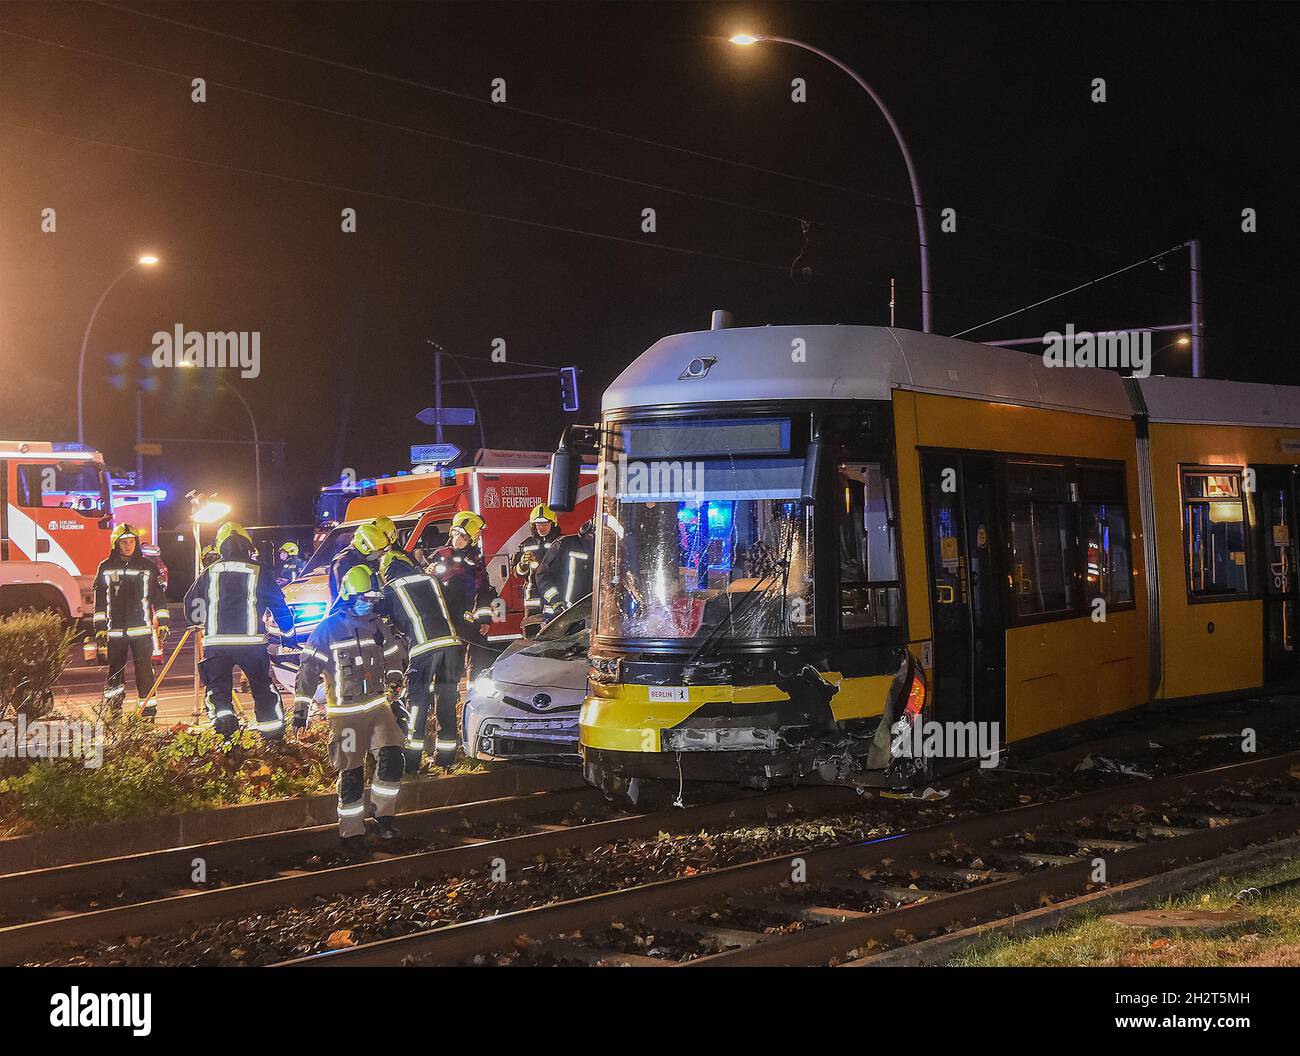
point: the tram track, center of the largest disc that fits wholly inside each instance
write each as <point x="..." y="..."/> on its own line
<point x="855" y="897"/>
<point x="155" y="891"/>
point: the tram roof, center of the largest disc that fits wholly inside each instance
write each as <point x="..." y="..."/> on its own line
<point x="854" y="363"/>
<point x="1201" y="401"/>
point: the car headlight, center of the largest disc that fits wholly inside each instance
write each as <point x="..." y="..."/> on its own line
<point x="308" y="612"/>
<point x="484" y="686"/>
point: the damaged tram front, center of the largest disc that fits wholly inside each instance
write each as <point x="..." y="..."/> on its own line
<point x="749" y="610"/>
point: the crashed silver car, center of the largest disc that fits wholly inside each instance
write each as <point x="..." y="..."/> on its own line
<point x="525" y="706"/>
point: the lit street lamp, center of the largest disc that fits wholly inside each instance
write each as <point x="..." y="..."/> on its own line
<point x="146" y="261"/>
<point x="747" y="39"/>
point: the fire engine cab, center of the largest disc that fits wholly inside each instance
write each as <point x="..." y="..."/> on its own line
<point x="56" y="517"/>
<point x="422" y="505"/>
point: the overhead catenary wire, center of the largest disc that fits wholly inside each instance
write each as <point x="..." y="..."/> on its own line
<point x="803" y="222"/>
<point x="585" y="126"/>
<point x="1073" y="289"/>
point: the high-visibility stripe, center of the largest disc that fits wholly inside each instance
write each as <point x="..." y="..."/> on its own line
<point x="139" y="632"/>
<point x="575" y="555"/>
<point x="350" y="812"/>
<point x="432" y="644"/>
<point x="411" y="742"/>
<point x="376" y="789"/>
<point x="442" y="745"/>
<point x="550" y="593"/>
<point x="101" y="617"/>
<point x="267" y="727"/>
<point x="309" y="701"/>
<point x="235" y="639"/>
<point x="412" y="613"/>
<point x="352" y="709"/>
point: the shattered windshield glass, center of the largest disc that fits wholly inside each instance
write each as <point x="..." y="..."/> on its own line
<point x="711" y="545"/>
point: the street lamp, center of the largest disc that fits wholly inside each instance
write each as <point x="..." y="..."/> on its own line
<point x="148" y="260"/>
<point x="749" y="39"/>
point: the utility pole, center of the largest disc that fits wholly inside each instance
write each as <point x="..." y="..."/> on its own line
<point x="139" y="439"/>
<point x="437" y="390"/>
<point x="1198" y="323"/>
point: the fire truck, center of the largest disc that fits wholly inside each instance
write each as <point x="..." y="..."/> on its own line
<point x="422" y="505"/>
<point x="56" y="517"/>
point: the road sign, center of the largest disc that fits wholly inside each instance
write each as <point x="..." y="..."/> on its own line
<point x="434" y="454"/>
<point x="148" y="449"/>
<point x="448" y="416"/>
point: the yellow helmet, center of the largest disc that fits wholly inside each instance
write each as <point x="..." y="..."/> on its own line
<point x="289" y="548"/>
<point x="231" y="528"/>
<point x="542" y="512"/>
<point x="386" y="525"/>
<point x="210" y="555"/>
<point x="404" y="564"/>
<point x="470" y="523"/>
<point x="121" y="530"/>
<point x="357" y="580"/>
<point x="369" y="540"/>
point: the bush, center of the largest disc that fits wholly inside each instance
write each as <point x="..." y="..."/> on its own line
<point x="33" y="653"/>
<point x="147" y="771"/>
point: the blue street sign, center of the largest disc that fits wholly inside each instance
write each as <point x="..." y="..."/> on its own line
<point x="433" y="454"/>
<point x="448" y="416"/>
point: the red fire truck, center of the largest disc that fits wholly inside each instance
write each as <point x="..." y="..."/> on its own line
<point x="56" y="516"/>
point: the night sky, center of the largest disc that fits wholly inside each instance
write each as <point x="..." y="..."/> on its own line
<point x="522" y="220"/>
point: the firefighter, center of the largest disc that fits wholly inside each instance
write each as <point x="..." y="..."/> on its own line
<point x="129" y="606"/>
<point x="290" y="562"/>
<point x="566" y="573"/>
<point x="545" y="533"/>
<point x="363" y="661"/>
<point x="227" y="601"/>
<point x="460" y="570"/>
<point x="415" y="604"/>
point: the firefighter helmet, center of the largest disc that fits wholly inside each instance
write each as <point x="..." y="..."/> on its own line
<point x="404" y="564"/>
<point x="209" y="555"/>
<point x="231" y="528"/>
<point x="369" y="540"/>
<point x="289" y="548"/>
<point x="542" y="512"/>
<point x="121" y="530"/>
<point x="357" y="580"/>
<point x="386" y="525"/>
<point x="470" y="523"/>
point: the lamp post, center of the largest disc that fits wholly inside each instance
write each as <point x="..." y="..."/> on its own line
<point x="146" y="261"/>
<point x="257" y="445"/>
<point x="748" y="39"/>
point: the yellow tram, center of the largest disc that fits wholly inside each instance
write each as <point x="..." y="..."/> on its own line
<point x="820" y="545"/>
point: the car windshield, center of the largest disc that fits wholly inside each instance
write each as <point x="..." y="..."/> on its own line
<point x="329" y="549"/>
<point x="566" y="637"/>
<point x="718" y="544"/>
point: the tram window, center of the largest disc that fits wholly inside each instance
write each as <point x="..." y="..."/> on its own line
<point x="869" y="588"/>
<point x="1107" y="571"/>
<point x="1107" y="568"/>
<point x="1042" y="546"/>
<point x="1214" y="523"/>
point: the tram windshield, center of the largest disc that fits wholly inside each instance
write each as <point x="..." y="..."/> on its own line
<point x="704" y="533"/>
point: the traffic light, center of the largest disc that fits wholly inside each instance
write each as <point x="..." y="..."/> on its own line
<point x="569" y="388"/>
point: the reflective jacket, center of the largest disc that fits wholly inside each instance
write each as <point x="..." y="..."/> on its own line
<point x="415" y="604"/>
<point x="465" y="586"/>
<point x="229" y="598"/>
<point x="358" y="656"/>
<point x="566" y="574"/>
<point x="529" y="558"/>
<point x="129" y="596"/>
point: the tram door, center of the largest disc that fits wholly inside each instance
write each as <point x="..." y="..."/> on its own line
<point x="967" y="561"/>
<point x="1275" y="488"/>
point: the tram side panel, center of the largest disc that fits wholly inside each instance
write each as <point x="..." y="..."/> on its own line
<point x="1061" y="668"/>
<point x="1208" y="550"/>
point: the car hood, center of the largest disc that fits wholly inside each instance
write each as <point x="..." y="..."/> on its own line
<point x="538" y="672"/>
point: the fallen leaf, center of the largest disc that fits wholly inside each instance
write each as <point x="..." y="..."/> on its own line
<point x="340" y="940"/>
